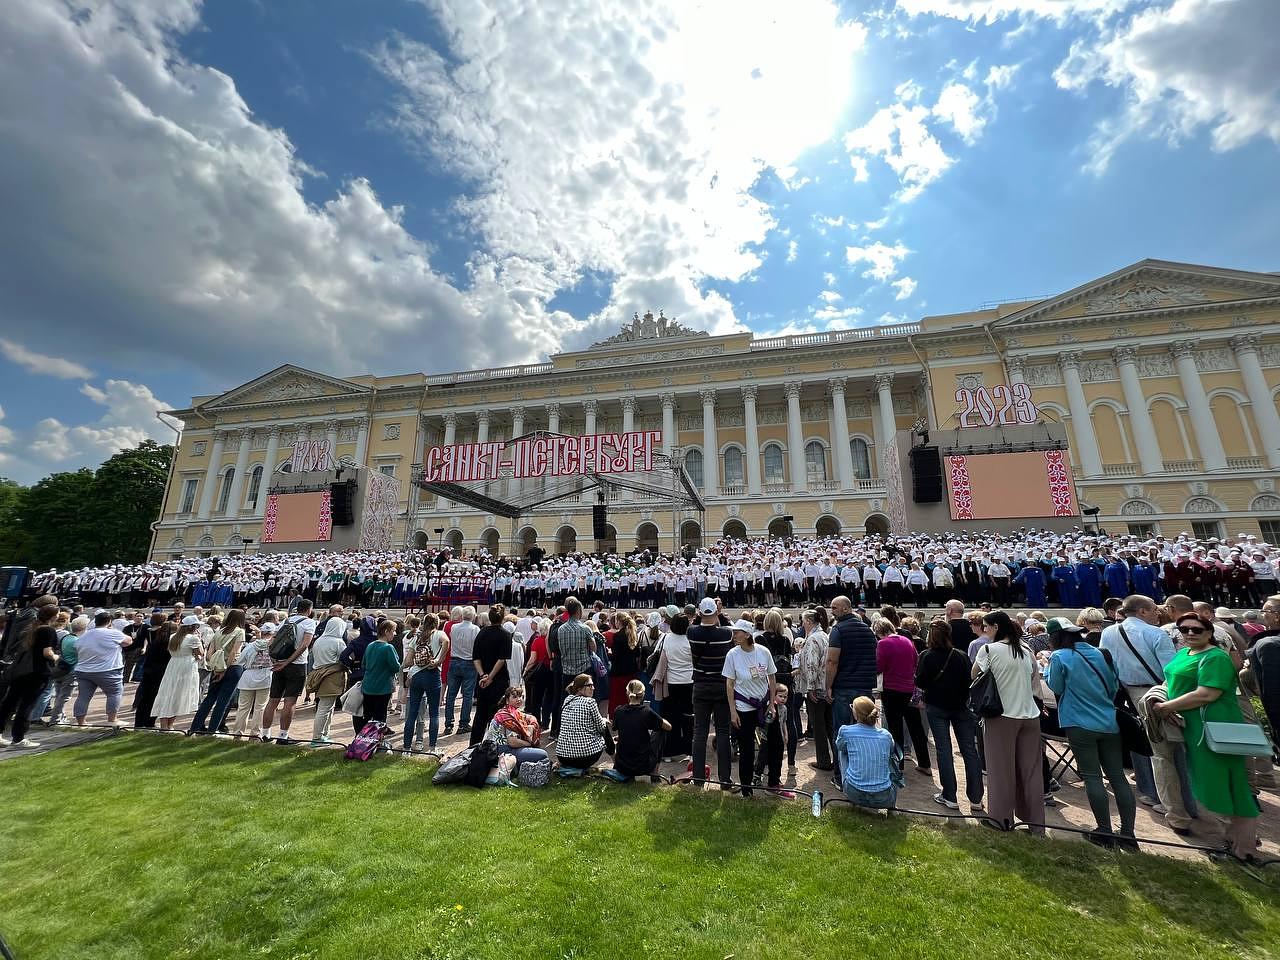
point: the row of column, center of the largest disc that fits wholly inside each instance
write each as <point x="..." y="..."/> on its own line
<point x="1208" y="438"/>
<point x="244" y="438"/>
<point x="842" y="456"/>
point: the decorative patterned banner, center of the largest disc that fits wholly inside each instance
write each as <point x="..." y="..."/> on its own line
<point x="544" y="456"/>
<point x="324" y="522"/>
<point x="269" y="519"/>
<point x="381" y="504"/>
<point x="1060" y="486"/>
<point x="891" y="470"/>
<point x="961" y="492"/>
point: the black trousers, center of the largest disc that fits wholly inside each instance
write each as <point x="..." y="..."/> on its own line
<point x="677" y="709"/>
<point x="745" y="736"/>
<point x="18" y="700"/>
<point x="897" y="710"/>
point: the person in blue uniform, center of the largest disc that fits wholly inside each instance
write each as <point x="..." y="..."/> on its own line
<point x="1064" y="575"/>
<point x="1117" y="578"/>
<point x="1088" y="584"/>
<point x="1031" y="577"/>
<point x="1145" y="580"/>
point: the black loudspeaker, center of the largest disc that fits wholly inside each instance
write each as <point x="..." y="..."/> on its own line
<point x="342" y="496"/>
<point x="599" y="521"/>
<point x="926" y="475"/>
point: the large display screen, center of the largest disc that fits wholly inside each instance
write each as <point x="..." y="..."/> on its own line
<point x="1007" y="486"/>
<point x="298" y="517"/>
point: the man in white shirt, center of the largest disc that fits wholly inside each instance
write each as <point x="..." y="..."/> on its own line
<point x="289" y="674"/>
<point x="462" y="672"/>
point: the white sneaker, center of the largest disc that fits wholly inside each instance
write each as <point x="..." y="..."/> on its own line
<point x="24" y="745"/>
<point x="5" y="741"/>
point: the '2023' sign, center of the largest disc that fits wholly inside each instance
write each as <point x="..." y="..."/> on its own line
<point x="1002" y="404"/>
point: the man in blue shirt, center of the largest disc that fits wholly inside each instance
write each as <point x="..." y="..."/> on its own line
<point x="1140" y="650"/>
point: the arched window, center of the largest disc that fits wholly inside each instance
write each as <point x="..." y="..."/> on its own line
<point x="733" y="466"/>
<point x="815" y="461"/>
<point x="773" y="463"/>
<point x="861" y="458"/>
<point x="225" y="493"/>
<point x="693" y="467"/>
<point x="255" y="485"/>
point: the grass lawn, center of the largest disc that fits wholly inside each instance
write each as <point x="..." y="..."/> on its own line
<point x="143" y="846"/>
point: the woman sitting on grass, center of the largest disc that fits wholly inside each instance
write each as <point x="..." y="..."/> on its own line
<point x="870" y="762"/>
<point x="635" y="721"/>
<point x="581" y="726"/>
<point x="516" y="732"/>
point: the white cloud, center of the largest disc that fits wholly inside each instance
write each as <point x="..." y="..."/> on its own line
<point x="830" y="296"/>
<point x="1191" y="65"/>
<point x="882" y="259"/>
<point x="905" y="287"/>
<point x="860" y="172"/>
<point x="793" y="251"/>
<point x="624" y="140"/>
<point x="42" y="363"/>
<point x="872" y="225"/>
<point x="6" y="438"/>
<point x="829" y="279"/>
<point x="989" y="11"/>
<point x="128" y="418"/>
<point x="959" y="106"/>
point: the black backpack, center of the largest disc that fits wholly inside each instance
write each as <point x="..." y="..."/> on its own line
<point x="285" y="640"/>
<point x="483" y="759"/>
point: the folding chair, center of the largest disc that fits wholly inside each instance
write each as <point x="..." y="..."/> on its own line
<point x="1061" y="759"/>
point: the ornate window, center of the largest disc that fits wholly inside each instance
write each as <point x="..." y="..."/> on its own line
<point x="255" y="485"/>
<point x="693" y="467"/>
<point x="772" y="463"/>
<point x="733" y="466"/>
<point x="189" y="494"/>
<point x="861" y="458"/>
<point x="815" y="461"/>
<point x="225" y="493"/>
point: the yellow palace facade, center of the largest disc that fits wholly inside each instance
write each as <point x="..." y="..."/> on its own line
<point x="1165" y="376"/>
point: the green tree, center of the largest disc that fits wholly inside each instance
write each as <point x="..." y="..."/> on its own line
<point x="128" y="489"/>
<point x="14" y="541"/>
<point x="58" y="515"/>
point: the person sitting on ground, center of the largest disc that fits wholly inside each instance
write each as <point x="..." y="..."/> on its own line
<point x="635" y="721"/>
<point x="869" y="760"/>
<point x="515" y="732"/>
<point x="582" y="728"/>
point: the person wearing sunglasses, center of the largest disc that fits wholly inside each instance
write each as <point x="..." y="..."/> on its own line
<point x="1201" y="681"/>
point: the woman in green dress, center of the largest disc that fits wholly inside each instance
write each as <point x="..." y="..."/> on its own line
<point x="1201" y="677"/>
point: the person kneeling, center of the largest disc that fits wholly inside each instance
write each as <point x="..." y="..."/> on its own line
<point x="639" y="735"/>
<point x="870" y="763"/>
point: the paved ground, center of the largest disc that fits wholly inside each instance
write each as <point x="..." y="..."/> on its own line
<point x="917" y="794"/>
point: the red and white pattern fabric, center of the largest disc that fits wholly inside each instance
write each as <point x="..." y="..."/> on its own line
<point x="961" y="491"/>
<point x="269" y="518"/>
<point x="1055" y="463"/>
<point x="895" y="496"/>
<point x="324" y="522"/>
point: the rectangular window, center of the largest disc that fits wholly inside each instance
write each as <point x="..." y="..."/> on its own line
<point x="1142" y="529"/>
<point x="189" y="494"/>
<point x="1206" y="529"/>
<point x="1270" y="530"/>
<point x="388" y="468"/>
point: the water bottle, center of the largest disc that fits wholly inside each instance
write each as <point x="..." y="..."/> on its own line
<point x="817" y="803"/>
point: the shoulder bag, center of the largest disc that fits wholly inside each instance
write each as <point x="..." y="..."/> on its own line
<point x="984" y="695"/>
<point x="1133" y="733"/>
<point x="1145" y="666"/>
<point x="1234" y="739"/>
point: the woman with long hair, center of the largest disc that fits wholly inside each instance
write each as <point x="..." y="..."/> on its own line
<point x="30" y="672"/>
<point x="942" y="674"/>
<point x="624" y="659"/>
<point x="515" y="732"/>
<point x="538" y="676"/>
<point x="776" y="637"/>
<point x="224" y="651"/>
<point x="179" y="692"/>
<point x="896" y="663"/>
<point x="811" y="682"/>
<point x="422" y="659"/>
<point x="1013" y="748"/>
<point x="675" y="667"/>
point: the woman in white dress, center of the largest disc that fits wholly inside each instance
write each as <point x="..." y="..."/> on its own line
<point x="179" y="692"/>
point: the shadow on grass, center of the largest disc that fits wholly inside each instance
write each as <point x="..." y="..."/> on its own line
<point x="711" y="822"/>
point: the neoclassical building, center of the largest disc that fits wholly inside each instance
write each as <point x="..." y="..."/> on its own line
<point x="1164" y="375"/>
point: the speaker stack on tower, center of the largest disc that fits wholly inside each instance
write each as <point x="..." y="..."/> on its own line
<point x="926" y="475"/>
<point x="600" y="521"/>
<point x="342" y="497"/>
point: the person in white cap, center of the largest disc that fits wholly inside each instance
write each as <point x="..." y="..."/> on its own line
<point x="179" y="692"/>
<point x="750" y="685"/>
<point x="709" y="645"/>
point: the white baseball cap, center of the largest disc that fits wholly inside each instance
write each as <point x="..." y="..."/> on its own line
<point x="707" y="607"/>
<point x="746" y="626"/>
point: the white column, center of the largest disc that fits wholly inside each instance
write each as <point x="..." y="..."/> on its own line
<point x="1207" y="436"/>
<point x="553" y="418"/>
<point x="268" y="469"/>
<point x="628" y="426"/>
<point x="1264" y="408"/>
<point x="753" y="440"/>
<point x="237" y="480"/>
<point x="1140" y="425"/>
<point x="589" y="410"/>
<point x="840" y="434"/>
<point x="331" y="434"/>
<point x="885" y="417"/>
<point x="517" y="429"/>
<point x="482" y="426"/>
<point x="710" y="448"/>
<point x="668" y="422"/>
<point x="1081" y="423"/>
<point x="450" y="433"/>
<point x="211" y="476"/>
<point x="795" y="440"/>
<point x="362" y="441"/>
<point x="1016" y="373"/>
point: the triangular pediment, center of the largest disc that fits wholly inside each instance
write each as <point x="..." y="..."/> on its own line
<point x="1150" y="285"/>
<point x="288" y="383"/>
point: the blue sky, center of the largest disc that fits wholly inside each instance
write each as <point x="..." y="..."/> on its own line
<point x="199" y="193"/>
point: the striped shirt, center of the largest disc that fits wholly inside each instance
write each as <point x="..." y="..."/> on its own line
<point x="864" y="754"/>
<point x="709" y="646"/>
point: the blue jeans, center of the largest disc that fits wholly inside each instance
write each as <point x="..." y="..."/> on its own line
<point x="42" y="703"/>
<point x="842" y="706"/>
<point x="941" y="722"/>
<point x="217" y="701"/>
<point x="526" y="754"/>
<point x="462" y="676"/>
<point x="1144" y="776"/>
<point x="424" y="683"/>
<point x="879" y="800"/>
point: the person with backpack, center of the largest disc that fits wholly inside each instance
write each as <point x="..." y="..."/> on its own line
<point x="224" y="652"/>
<point x="255" y="683"/>
<point x="327" y="679"/>
<point x="423" y="656"/>
<point x="288" y="649"/>
<point x="28" y="675"/>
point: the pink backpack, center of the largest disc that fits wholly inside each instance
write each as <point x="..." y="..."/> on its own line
<point x="367" y="741"/>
